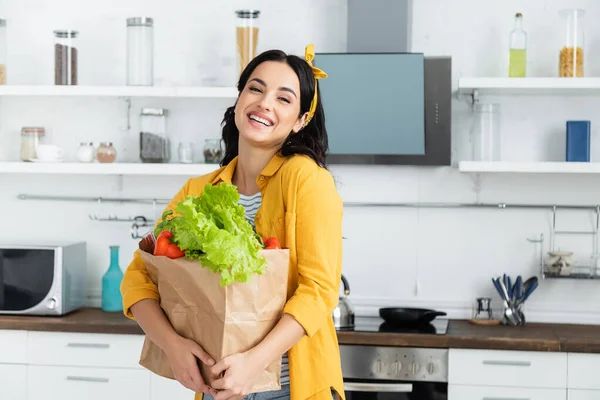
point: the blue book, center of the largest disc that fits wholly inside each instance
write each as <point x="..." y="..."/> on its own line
<point x="578" y="141"/>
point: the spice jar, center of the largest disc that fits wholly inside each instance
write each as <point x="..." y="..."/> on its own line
<point x="212" y="151"/>
<point x="2" y="51"/>
<point x="85" y="152"/>
<point x="65" y="57"/>
<point x="154" y="141"/>
<point x="30" y="138"/>
<point x="571" y="54"/>
<point x="140" y="51"/>
<point x="106" y="153"/>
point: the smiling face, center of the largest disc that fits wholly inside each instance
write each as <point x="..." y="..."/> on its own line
<point x="268" y="107"/>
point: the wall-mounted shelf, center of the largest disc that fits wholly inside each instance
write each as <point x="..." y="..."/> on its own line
<point x="66" y="168"/>
<point x="119" y="91"/>
<point x="539" y="86"/>
<point x="529" y="167"/>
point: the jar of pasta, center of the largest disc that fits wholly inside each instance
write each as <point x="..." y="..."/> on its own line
<point x="31" y="137"/>
<point x="571" y="57"/>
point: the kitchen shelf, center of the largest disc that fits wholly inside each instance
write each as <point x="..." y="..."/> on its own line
<point x="119" y="91"/>
<point x="68" y="168"/>
<point x="530" y="167"/>
<point x="509" y="86"/>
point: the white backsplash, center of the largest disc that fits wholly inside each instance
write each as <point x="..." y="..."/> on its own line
<point x="440" y="258"/>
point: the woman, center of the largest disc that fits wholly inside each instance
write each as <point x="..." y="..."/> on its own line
<point x="275" y="150"/>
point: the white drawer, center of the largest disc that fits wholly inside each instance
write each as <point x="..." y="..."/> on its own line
<point x="507" y="368"/>
<point x="503" y="393"/>
<point x="163" y="388"/>
<point x="13" y="382"/>
<point x="13" y="347"/>
<point x="583" y="371"/>
<point x="85" y="349"/>
<point x="75" y="383"/>
<point x="583" y="394"/>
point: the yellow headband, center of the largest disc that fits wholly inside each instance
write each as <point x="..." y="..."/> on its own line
<point x="309" y="55"/>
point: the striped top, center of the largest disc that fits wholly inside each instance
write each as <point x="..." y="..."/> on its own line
<point x="251" y="204"/>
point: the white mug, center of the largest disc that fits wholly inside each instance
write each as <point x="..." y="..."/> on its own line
<point x="49" y="152"/>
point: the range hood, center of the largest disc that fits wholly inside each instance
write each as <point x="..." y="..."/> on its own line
<point x="399" y="113"/>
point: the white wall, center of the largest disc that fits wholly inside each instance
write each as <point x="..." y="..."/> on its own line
<point x="441" y="258"/>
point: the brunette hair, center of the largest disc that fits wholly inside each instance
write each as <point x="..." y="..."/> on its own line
<point x="311" y="140"/>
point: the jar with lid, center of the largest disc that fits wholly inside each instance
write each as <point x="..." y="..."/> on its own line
<point x="485" y="133"/>
<point x="246" y="32"/>
<point x="86" y="152"/>
<point x="3" y="51"/>
<point x="30" y="138"/>
<point x="140" y="51"/>
<point x="65" y="57"/>
<point x="106" y="153"/>
<point x="571" y="57"/>
<point x="212" y="151"/>
<point x="154" y="140"/>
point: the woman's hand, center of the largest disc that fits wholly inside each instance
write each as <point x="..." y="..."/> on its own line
<point x="183" y="355"/>
<point x="237" y="374"/>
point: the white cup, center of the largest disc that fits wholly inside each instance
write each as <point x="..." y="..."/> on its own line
<point x="49" y="152"/>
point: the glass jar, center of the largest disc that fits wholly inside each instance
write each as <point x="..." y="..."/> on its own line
<point x="106" y="153"/>
<point x="485" y="133"/>
<point x="186" y="152"/>
<point x="571" y="55"/>
<point x="31" y="137"/>
<point x="65" y="57"/>
<point x="86" y="152"/>
<point x="246" y="32"/>
<point x="212" y="151"/>
<point x="140" y="51"/>
<point x="154" y="140"/>
<point x="2" y="51"/>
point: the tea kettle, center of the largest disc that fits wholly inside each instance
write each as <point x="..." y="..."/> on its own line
<point x="343" y="314"/>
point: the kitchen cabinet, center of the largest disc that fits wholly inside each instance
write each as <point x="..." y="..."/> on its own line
<point x="524" y="369"/>
<point x="13" y="347"/>
<point x="583" y="372"/>
<point x="163" y="388"/>
<point x="75" y="383"/>
<point x="13" y="381"/>
<point x="575" y="394"/>
<point x="503" y="393"/>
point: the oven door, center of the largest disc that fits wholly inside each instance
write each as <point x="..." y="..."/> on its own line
<point x="397" y="390"/>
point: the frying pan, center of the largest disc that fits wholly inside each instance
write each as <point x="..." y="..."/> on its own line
<point x="403" y="315"/>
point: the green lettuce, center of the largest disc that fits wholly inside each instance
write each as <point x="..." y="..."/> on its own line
<point x="212" y="229"/>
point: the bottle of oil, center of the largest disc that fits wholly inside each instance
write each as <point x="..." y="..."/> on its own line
<point x="518" y="49"/>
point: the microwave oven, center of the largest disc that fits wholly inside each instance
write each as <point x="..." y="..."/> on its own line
<point x="47" y="279"/>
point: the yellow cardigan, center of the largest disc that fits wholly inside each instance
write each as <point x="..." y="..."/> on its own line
<point x="302" y="208"/>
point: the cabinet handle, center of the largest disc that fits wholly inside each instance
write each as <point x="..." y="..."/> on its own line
<point x="506" y="398"/>
<point x="87" y="379"/>
<point x="508" y="363"/>
<point x="89" y="345"/>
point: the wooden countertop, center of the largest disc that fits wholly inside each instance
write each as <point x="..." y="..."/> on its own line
<point x="460" y="334"/>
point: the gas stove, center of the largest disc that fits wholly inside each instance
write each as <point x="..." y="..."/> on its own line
<point x="438" y="326"/>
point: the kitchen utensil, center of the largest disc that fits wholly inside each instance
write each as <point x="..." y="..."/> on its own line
<point x="529" y="286"/>
<point x="509" y="313"/>
<point x="408" y="316"/>
<point x="343" y="314"/>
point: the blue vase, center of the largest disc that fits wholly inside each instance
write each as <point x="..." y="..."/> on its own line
<point x="112" y="301"/>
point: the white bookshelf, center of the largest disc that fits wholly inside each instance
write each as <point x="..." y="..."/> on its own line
<point x="529" y="167"/>
<point x="74" y="168"/>
<point x="510" y="86"/>
<point x="119" y="91"/>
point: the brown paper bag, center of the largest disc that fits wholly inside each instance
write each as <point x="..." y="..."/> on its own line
<point x="223" y="320"/>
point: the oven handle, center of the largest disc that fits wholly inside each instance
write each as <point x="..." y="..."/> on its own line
<point x="378" y="387"/>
